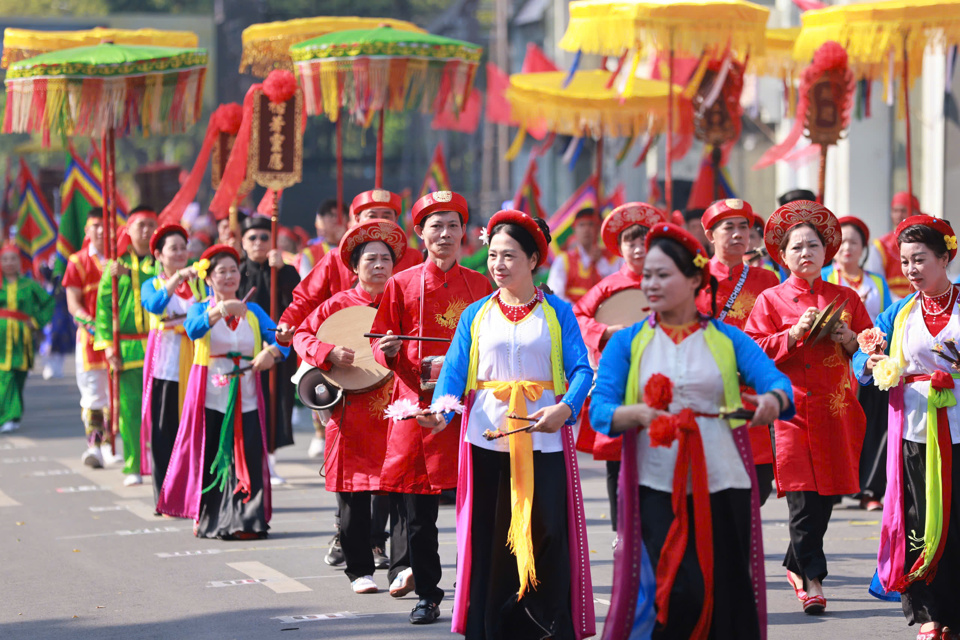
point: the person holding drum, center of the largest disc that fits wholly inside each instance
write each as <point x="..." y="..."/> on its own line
<point x="169" y="354"/>
<point x="623" y="233"/>
<point x="218" y="472"/>
<point x="522" y="569"/>
<point x="809" y="327"/>
<point x="847" y="269"/>
<point x="914" y="355"/>
<point x="423" y="302"/>
<point x="356" y="437"/>
<point x="668" y="385"/>
<point x="733" y="289"/>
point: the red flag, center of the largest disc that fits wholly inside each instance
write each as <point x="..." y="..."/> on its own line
<point x="437" y="178"/>
<point x="467" y="121"/>
<point x="497" y="107"/>
<point x="536" y="60"/>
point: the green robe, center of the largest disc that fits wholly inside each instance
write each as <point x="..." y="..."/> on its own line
<point x="21" y="296"/>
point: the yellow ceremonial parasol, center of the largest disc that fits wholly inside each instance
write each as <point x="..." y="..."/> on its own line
<point x="882" y="38"/>
<point x="777" y="60"/>
<point x="691" y="27"/>
<point x="266" y="46"/>
<point x="589" y="106"/>
<point x="20" y="44"/>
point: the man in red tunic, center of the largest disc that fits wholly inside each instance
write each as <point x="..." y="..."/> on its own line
<point x="583" y="265"/>
<point x="623" y="233"/>
<point x="726" y="224"/>
<point x="80" y="281"/>
<point x="330" y="276"/>
<point x="885" y="256"/>
<point x="424" y="301"/>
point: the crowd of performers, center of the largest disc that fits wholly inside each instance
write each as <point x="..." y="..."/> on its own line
<point x="730" y="384"/>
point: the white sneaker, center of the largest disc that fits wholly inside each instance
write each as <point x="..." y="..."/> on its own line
<point x="315" y="450"/>
<point x="275" y="478"/>
<point x="93" y="458"/>
<point x="132" y="479"/>
<point x="108" y="456"/>
<point x="402" y="584"/>
<point x="364" y="585"/>
<point x="9" y="426"/>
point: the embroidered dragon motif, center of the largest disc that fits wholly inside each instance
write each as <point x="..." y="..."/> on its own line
<point x="449" y="318"/>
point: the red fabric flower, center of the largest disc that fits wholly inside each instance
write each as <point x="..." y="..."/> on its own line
<point x="941" y="380"/>
<point x="227" y="118"/>
<point x="686" y="420"/>
<point x="663" y="431"/>
<point x="280" y="85"/>
<point x="658" y="392"/>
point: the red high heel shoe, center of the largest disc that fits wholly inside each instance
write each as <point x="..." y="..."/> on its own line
<point x="814" y="605"/>
<point x="799" y="591"/>
<point x="932" y="634"/>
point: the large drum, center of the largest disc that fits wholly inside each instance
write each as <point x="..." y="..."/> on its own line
<point x="345" y="328"/>
<point x="625" y="307"/>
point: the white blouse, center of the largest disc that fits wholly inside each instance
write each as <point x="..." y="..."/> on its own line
<point x="224" y="340"/>
<point x="697" y="385"/>
<point x="167" y="365"/>
<point x="920" y="359"/>
<point x="511" y="351"/>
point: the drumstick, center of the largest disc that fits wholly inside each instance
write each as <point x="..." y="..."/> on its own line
<point x="420" y="338"/>
<point x="494" y="435"/>
<point x="514" y="416"/>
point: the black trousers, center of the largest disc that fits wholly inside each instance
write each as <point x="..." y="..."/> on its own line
<point x="613" y="480"/>
<point x="809" y="517"/>
<point x="873" y="455"/>
<point x="379" y="515"/>
<point x="494" y="612"/>
<point x="765" y="477"/>
<point x="165" y="416"/>
<point x="938" y="601"/>
<point x="734" y="610"/>
<point x="414" y="542"/>
<point x="355" y="537"/>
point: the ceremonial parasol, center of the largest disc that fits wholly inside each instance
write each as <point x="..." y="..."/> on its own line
<point x="369" y="71"/>
<point x="690" y="27"/>
<point x="266" y="47"/>
<point x="882" y="39"/>
<point x="588" y="107"/>
<point x="777" y="60"/>
<point x="101" y="91"/>
<point x="20" y="44"/>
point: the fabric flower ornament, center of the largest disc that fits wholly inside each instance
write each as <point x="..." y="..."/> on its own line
<point x="886" y="374"/>
<point x="402" y="409"/>
<point x="700" y="261"/>
<point x="202" y="266"/>
<point x="447" y="404"/>
<point x="663" y="431"/>
<point x="941" y="380"/>
<point x="951" y="241"/>
<point x="658" y="392"/>
<point x="870" y="340"/>
<point x="219" y="380"/>
<point x="484" y="236"/>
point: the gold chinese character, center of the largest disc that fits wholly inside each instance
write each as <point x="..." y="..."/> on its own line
<point x="276" y="162"/>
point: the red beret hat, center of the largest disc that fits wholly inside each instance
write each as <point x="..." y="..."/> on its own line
<point x="684" y="237"/>
<point x="729" y="208"/>
<point x="858" y="223"/>
<point x="937" y="224"/>
<point x="164" y="231"/>
<point x="440" y="201"/>
<point x="511" y="216"/>
<point x="375" y="198"/>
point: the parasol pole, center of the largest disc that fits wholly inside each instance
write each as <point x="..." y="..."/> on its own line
<point x="906" y="105"/>
<point x="274" y="315"/>
<point x="339" y="169"/>
<point x="716" y="155"/>
<point x="378" y="180"/>
<point x="822" y="188"/>
<point x="108" y="251"/>
<point x="599" y="174"/>
<point x="109" y="159"/>
<point x="668" y="176"/>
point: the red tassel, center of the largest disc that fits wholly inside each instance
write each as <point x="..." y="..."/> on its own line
<point x="280" y="85"/>
<point x="236" y="169"/>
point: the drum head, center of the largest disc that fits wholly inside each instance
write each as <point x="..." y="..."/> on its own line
<point x="625" y="307"/>
<point x="345" y="328"/>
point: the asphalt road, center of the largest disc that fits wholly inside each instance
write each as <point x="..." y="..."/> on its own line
<point x="82" y="556"/>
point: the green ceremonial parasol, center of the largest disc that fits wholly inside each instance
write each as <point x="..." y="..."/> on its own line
<point x="372" y="70"/>
<point x="103" y="91"/>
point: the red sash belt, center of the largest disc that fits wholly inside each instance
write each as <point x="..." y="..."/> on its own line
<point x="15" y="315"/>
<point x="134" y="336"/>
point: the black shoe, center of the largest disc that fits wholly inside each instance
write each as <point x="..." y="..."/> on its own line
<point x="334" y="556"/>
<point x="380" y="559"/>
<point x="426" y="612"/>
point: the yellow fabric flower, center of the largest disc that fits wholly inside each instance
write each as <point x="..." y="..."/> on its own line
<point x="700" y="260"/>
<point x="951" y="241"/>
<point x="886" y="374"/>
<point x="202" y="267"/>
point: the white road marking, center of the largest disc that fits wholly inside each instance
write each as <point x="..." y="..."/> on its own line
<point x="314" y="617"/>
<point x="602" y="601"/>
<point x="141" y="509"/>
<point x="273" y="579"/>
<point x="16" y="442"/>
<point x="245" y="581"/>
<point x="109" y="479"/>
<point x="51" y="472"/>
<point x="297" y="547"/>
<point x="81" y="489"/>
<point x="26" y="459"/>
<point x="181" y="554"/>
<point x="7" y="501"/>
<point x="126" y="532"/>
